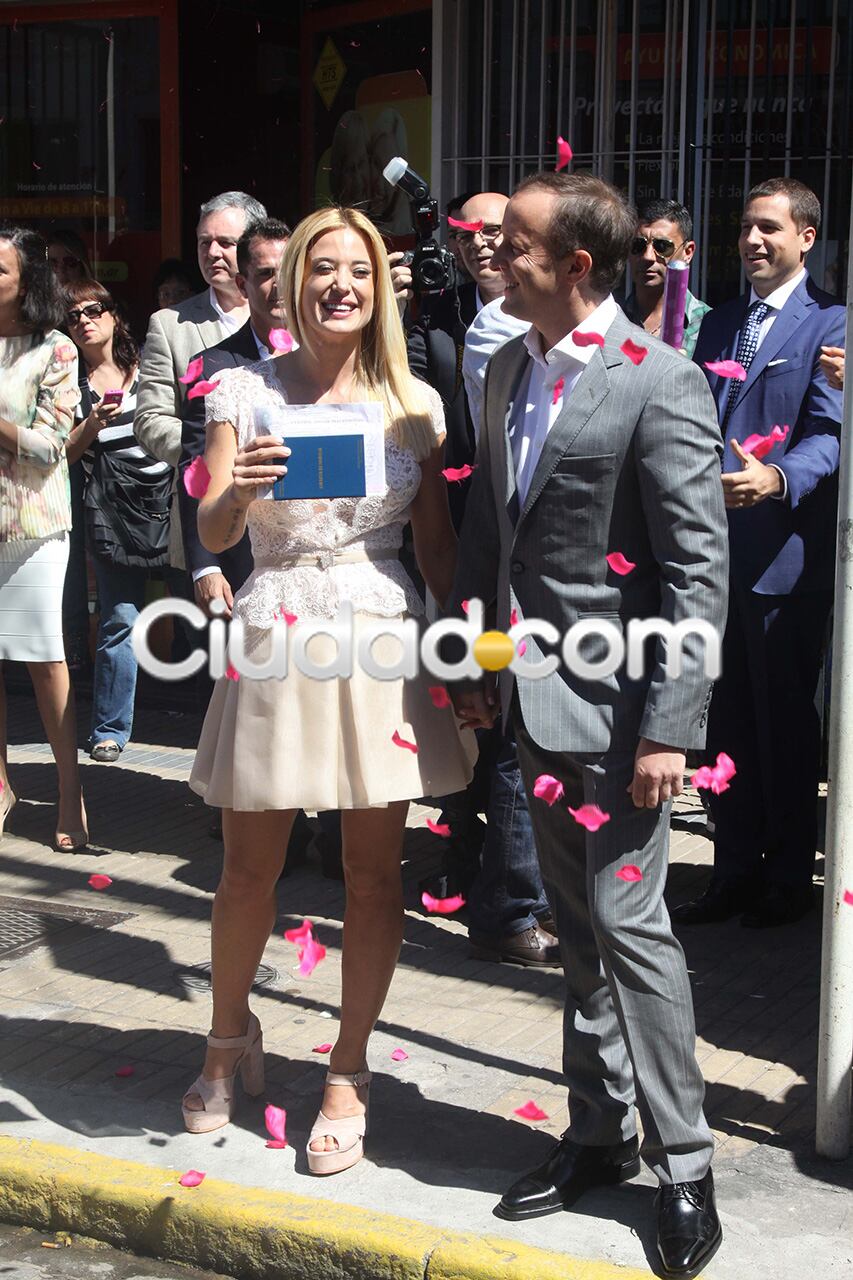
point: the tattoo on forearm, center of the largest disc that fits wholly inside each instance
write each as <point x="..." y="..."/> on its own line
<point x="231" y="533"/>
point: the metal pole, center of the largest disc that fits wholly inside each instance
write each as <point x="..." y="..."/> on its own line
<point x="835" y="1047"/>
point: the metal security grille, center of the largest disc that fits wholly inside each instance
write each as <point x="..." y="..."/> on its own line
<point x="694" y="99"/>
<point x="25" y="925"/>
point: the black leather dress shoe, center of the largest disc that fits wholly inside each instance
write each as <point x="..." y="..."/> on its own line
<point x="569" y="1171"/>
<point x="779" y="904"/>
<point x="720" y="901"/>
<point x="533" y="948"/>
<point x="689" y="1231"/>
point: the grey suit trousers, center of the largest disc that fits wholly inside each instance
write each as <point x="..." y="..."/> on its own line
<point x="628" y="1030"/>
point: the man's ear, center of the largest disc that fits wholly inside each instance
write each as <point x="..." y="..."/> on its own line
<point x="809" y="236"/>
<point x="578" y="266"/>
<point x="240" y="282"/>
<point x="689" y="248"/>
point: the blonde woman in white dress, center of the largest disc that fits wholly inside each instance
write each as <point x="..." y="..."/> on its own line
<point x="271" y="747"/>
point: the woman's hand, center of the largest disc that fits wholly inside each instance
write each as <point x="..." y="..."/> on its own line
<point x="101" y="416"/>
<point x="259" y="464"/>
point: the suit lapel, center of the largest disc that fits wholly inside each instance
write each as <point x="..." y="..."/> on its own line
<point x="786" y="324"/>
<point x="503" y="392"/>
<point x="587" y="394"/>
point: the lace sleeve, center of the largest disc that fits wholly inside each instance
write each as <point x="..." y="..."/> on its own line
<point x="436" y="413"/>
<point x="234" y="400"/>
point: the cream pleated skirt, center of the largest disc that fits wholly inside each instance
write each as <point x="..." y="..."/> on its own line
<point x="302" y="743"/>
<point x="32" y="575"/>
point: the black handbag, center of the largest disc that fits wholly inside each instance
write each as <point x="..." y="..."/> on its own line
<point x="127" y="512"/>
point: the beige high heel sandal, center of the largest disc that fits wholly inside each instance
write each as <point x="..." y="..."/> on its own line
<point x="348" y="1131"/>
<point x="7" y="803"/>
<point x="218" y="1096"/>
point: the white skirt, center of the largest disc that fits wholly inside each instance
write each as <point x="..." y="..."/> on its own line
<point x="32" y="575"/>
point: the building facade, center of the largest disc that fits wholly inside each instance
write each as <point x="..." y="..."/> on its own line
<point x="117" y="118"/>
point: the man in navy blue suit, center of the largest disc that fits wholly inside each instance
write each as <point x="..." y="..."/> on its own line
<point x="781" y="494"/>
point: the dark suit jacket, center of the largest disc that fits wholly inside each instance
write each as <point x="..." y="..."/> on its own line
<point x="236" y="564"/>
<point x="435" y="346"/>
<point x="783" y="547"/>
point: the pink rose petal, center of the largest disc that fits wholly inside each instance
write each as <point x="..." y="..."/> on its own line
<point x="399" y="1055"/>
<point x="310" y="956"/>
<point x="124" y="1072"/>
<point x="530" y="1111"/>
<point x="192" y="1178"/>
<point x="586" y="338"/>
<point x="848" y="897"/>
<point x="281" y="340"/>
<point x="231" y="672"/>
<point x="197" y="478"/>
<point x="99" y="881"/>
<point x="277" y="1144"/>
<point x="443" y="906"/>
<point x="715" y="777"/>
<point x="590" y="816"/>
<point x="513" y="618"/>
<point x="726" y="369"/>
<point x="322" y="1048"/>
<point x="440" y="697"/>
<point x="522" y="648"/>
<point x="458" y="473"/>
<point x="466" y="604"/>
<point x="725" y="766"/>
<point x="619" y="564"/>
<point x="275" y="1118"/>
<point x="759" y="446"/>
<point x="629" y="873"/>
<point x="438" y="828"/>
<point x="201" y="389"/>
<point x="465" y="226"/>
<point x="548" y="788"/>
<point x="194" y="369"/>
<point x="402" y="742"/>
<point x="559" y="388"/>
<point x="289" y="618"/>
<point x="635" y="353"/>
<point x="564" y="154"/>
<point x="302" y="934"/>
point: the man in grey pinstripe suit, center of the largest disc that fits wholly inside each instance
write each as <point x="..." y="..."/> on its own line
<point x="592" y="445"/>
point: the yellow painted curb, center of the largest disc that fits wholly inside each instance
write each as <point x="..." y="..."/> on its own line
<point x="251" y="1233"/>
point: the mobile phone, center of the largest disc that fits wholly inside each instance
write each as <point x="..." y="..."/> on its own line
<point x="112" y="397"/>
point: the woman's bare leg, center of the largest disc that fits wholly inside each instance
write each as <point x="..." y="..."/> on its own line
<point x="243" y="917"/>
<point x="55" y="701"/>
<point x="373" y="932"/>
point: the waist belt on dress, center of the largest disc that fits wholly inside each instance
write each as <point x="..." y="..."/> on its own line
<point x="325" y="559"/>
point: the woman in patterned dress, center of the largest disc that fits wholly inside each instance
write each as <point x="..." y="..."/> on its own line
<point x="270" y="747"/>
<point x="38" y="394"/>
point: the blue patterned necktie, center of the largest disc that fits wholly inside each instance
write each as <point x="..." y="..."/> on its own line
<point x="746" y="349"/>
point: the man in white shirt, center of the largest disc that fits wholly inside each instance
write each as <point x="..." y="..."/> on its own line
<point x="175" y="334"/>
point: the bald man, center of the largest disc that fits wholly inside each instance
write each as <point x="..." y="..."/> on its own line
<point x="477" y="247"/>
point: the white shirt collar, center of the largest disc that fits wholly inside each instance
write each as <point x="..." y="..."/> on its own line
<point x="566" y="350"/>
<point x="232" y="319"/>
<point x="780" y="296"/>
<point x="263" y="350"/>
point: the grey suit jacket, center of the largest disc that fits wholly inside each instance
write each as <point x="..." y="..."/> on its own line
<point x="174" y="336"/>
<point x="632" y="464"/>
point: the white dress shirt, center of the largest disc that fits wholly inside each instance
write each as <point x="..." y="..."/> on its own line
<point x="231" y="321"/>
<point x="536" y="410"/>
<point x="775" y="301"/>
<point x="490" y="329"/>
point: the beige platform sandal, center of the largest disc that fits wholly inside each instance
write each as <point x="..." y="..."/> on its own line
<point x="348" y="1131"/>
<point x="218" y="1096"/>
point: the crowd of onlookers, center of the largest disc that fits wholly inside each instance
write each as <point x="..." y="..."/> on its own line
<point x="86" y="409"/>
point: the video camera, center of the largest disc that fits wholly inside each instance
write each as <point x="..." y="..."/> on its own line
<point x="433" y="268"/>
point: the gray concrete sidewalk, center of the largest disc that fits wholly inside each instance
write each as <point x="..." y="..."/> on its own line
<point x="98" y="991"/>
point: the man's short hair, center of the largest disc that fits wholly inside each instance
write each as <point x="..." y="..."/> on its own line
<point x="592" y="215"/>
<point x="252" y="208"/>
<point x="805" y="206"/>
<point x="668" y="210"/>
<point x="263" y="229"/>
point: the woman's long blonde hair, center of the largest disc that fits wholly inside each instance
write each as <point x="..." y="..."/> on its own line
<point x="382" y="369"/>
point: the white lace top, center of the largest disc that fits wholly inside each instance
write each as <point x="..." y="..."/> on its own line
<point x="280" y="531"/>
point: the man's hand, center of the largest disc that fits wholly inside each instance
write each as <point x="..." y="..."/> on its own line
<point x="658" y="774"/>
<point x="832" y="363"/>
<point x="753" y="484"/>
<point x="401" y="278"/>
<point x="213" y="586"/>
<point x="477" y="708"/>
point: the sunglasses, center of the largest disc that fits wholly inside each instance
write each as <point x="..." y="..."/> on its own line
<point x="663" y="248"/>
<point x="488" y="233"/>
<point x="91" y="311"/>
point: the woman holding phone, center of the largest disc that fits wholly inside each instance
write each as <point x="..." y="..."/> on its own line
<point x="126" y="503"/>
<point x="363" y="745"/>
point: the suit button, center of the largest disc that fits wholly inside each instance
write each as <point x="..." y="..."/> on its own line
<point x="703" y="720"/>
<point x="517" y="566"/>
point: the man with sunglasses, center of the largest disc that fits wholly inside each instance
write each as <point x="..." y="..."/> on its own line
<point x="664" y="234"/>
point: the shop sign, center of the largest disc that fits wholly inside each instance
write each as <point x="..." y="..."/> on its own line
<point x="329" y="73"/>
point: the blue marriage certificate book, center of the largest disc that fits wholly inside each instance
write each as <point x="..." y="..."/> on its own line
<point x="324" y="466"/>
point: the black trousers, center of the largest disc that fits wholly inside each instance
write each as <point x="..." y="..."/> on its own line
<point x="763" y="714"/>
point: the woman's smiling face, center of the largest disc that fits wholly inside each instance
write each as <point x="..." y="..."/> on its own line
<point x="338" y="288"/>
